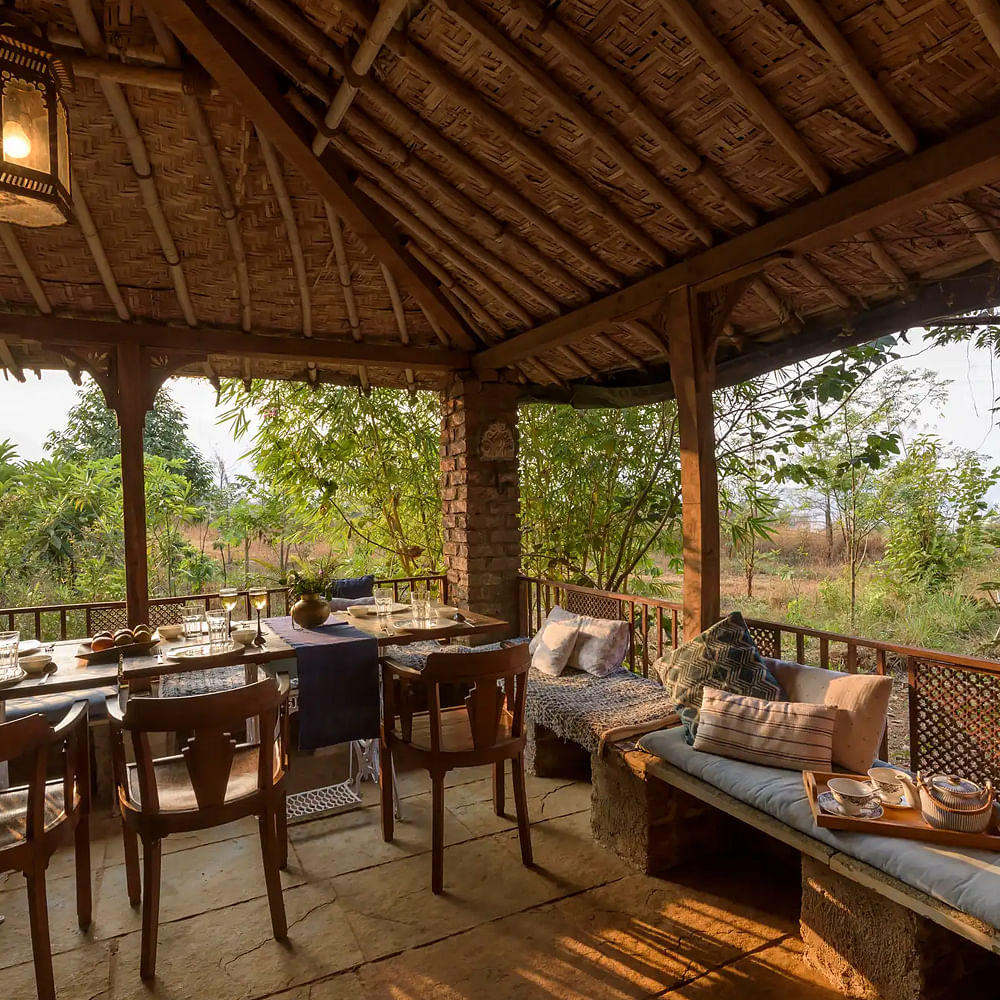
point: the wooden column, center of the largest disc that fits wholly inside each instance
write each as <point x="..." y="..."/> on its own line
<point x="130" y="405"/>
<point x="692" y="370"/>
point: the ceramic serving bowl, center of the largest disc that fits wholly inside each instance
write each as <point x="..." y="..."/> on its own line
<point x="35" y="663"/>
<point x="170" y="632"/>
<point x="244" y="635"/>
<point x="853" y="796"/>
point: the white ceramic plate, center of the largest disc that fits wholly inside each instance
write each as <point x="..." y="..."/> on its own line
<point x="412" y="625"/>
<point x="204" y="652"/>
<point x="369" y="611"/>
<point x="830" y="805"/>
<point x="28" y="646"/>
<point x="8" y="677"/>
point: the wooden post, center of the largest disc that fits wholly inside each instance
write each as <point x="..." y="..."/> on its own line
<point x="692" y="370"/>
<point x="130" y="404"/>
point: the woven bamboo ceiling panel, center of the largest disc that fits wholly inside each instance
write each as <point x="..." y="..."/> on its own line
<point x="522" y="161"/>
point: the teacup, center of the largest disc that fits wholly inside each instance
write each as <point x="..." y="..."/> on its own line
<point x="853" y="796"/>
<point x="887" y="785"/>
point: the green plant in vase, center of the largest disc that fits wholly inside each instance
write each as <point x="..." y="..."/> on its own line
<point x="309" y="585"/>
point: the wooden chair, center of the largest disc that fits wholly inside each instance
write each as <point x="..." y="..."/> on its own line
<point x="487" y="729"/>
<point x="37" y="817"/>
<point x="212" y="781"/>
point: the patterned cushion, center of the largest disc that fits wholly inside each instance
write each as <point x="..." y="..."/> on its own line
<point x="555" y="644"/>
<point x="724" y="657"/>
<point x="861" y="701"/>
<point x="600" y="647"/>
<point x="785" y="734"/>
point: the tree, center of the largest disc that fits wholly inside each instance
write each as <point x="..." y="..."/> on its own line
<point x="91" y="432"/>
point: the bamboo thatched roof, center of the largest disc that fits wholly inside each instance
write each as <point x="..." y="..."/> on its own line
<point x="822" y="168"/>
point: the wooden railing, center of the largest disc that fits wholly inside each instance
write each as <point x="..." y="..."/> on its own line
<point x="64" y="621"/>
<point x="952" y="701"/>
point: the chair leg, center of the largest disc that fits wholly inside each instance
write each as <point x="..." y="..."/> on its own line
<point x="272" y="875"/>
<point x="437" y="832"/>
<point x="521" y="805"/>
<point x="386" y="776"/>
<point x="84" y="900"/>
<point x="151" y="851"/>
<point x="41" y="946"/>
<point x="131" y="842"/>
<point x="281" y="826"/>
<point x="498" y="789"/>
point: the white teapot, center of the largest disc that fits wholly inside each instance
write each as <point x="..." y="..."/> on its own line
<point x="948" y="802"/>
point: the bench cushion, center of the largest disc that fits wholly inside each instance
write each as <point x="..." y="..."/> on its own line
<point x="965" y="879"/>
<point x="580" y="707"/>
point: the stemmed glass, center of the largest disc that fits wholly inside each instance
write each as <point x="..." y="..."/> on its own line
<point x="229" y="596"/>
<point x="258" y="598"/>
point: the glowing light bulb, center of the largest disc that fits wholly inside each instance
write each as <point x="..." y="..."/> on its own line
<point x="16" y="145"/>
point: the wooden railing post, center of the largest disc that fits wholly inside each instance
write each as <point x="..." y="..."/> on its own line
<point x="692" y="370"/>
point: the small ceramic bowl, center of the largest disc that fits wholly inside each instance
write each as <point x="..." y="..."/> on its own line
<point x="853" y="795"/>
<point x="35" y="663"/>
<point x="170" y="632"/>
<point x="447" y="611"/>
<point x="244" y="635"/>
<point x="361" y="610"/>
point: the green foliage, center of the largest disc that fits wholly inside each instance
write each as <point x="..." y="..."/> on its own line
<point x="91" y="432"/>
<point x="314" y="578"/>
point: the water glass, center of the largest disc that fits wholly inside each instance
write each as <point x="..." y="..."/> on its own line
<point x="419" y="601"/>
<point x="192" y="618"/>
<point x="217" y="630"/>
<point x="383" y="602"/>
<point x="9" y="666"/>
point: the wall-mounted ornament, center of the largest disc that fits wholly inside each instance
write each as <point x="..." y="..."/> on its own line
<point x="497" y="443"/>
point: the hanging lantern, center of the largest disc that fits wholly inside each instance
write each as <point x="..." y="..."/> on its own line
<point x="34" y="156"/>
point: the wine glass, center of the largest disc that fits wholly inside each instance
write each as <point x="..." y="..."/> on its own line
<point x="229" y="596"/>
<point x="258" y="598"/>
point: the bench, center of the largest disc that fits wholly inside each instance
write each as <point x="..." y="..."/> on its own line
<point x="881" y="917"/>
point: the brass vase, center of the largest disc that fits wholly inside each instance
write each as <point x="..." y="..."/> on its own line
<point x="310" y="610"/>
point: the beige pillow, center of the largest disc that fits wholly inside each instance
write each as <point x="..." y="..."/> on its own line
<point x="861" y="700"/>
<point x="789" y="734"/>
<point x="555" y="643"/>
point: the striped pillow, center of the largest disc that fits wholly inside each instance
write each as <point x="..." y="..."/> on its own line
<point x="786" y="734"/>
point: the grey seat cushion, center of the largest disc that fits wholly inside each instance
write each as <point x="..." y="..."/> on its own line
<point x="580" y="707"/>
<point x="965" y="879"/>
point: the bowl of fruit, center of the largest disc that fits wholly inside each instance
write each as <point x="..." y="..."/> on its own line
<point x="107" y="646"/>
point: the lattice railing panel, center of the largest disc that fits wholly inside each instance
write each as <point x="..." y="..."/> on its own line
<point x="956" y="718"/>
<point x="592" y="605"/>
<point x="768" y="640"/>
<point x="106" y="620"/>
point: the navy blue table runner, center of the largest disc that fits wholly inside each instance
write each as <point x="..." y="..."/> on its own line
<point x="338" y="682"/>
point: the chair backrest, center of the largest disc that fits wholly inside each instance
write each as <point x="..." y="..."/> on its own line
<point x="208" y="753"/>
<point x="499" y="680"/>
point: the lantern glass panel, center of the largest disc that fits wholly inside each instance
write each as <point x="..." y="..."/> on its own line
<point x="25" y="125"/>
<point x="62" y="142"/>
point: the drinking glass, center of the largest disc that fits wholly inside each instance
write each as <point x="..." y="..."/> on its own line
<point x="229" y="596"/>
<point x="9" y="667"/>
<point x="383" y="603"/>
<point x="419" y="601"/>
<point x="192" y="618"/>
<point x="217" y="632"/>
<point x="258" y="598"/>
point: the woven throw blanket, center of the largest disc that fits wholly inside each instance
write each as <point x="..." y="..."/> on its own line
<point x="581" y="707"/>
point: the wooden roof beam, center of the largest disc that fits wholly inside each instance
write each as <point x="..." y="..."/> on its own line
<point x="984" y="233"/>
<point x="9" y="362"/>
<point x="361" y="63"/>
<point x="93" y="239"/>
<point x="58" y="332"/>
<point x="884" y="261"/>
<point x="836" y="46"/>
<point x="94" y="45"/>
<point x="949" y="168"/>
<point x="987" y="14"/>
<point x="346" y="287"/>
<point x="318" y="45"/>
<point x="526" y="145"/>
<point x="400" y="313"/>
<point x="588" y="123"/>
<point x="238" y="69"/>
<point x="545" y="23"/>
<point x="746" y="91"/>
<point x="13" y="247"/>
<point x="813" y="274"/>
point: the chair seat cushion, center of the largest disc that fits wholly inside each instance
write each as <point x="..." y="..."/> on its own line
<point x="456" y="732"/>
<point x="968" y="880"/>
<point x="174" y="788"/>
<point x="14" y="811"/>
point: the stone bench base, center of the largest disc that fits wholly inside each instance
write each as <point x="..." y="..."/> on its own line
<point x="547" y="755"/>
<point x="860" y="936"/>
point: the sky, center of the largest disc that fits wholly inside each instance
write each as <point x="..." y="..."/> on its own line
<point x="29" y="411"/>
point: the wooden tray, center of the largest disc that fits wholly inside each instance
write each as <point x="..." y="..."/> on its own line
<point x="111" y="654"/>
<point x="894" y="822"/>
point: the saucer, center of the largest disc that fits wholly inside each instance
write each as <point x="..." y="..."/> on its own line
<point x="830" y="805"/>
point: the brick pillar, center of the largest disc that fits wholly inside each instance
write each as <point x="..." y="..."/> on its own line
<point x="480" y="495"/>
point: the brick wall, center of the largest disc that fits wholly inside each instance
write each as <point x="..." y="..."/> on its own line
<point x="480" y="495"/>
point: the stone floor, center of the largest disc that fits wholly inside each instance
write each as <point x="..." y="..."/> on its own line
<point x="363" y="924"/>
